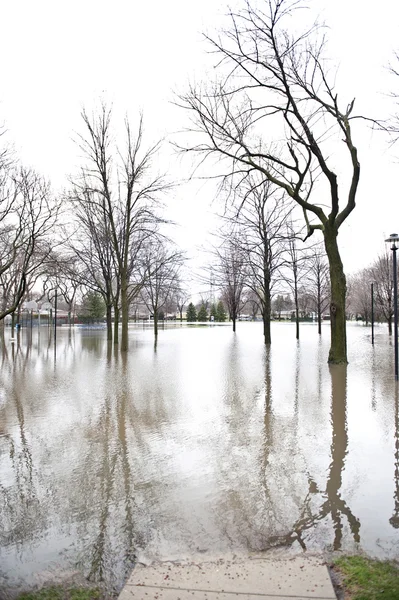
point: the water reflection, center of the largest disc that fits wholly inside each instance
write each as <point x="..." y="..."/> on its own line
<point x="206" y="443"/>
<point x="333" y="506"/>
<point x="394" y="520"/>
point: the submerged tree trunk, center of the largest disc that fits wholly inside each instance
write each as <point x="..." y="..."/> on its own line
<point x="337" y="354"/>
<point x="234" y="324"/>
<point x="296" y="307"/>
<point x="155" y="323"/>
<point x="266" y="313"/>
<point x="319" y="319"/>
<point x="389" y="321"/>
<point x="108" y="316"/>
<point x="116" y="324"/>
<point x="318" y="305"/>
<point x="125" y="316"/>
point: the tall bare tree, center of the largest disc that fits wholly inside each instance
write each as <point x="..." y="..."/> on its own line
<point x="276" y="82"/>
<point x="28" y="216"/>
<point x="230" y="270"/>
<point x="261" y="217"/>
<point x="360" y="294"/>
<point x="121" y="186"/>
<point x="91" y="243"/>
<point x="382" y="277"/>
<point x="295" y="268"/>
<point x="161" y="265"/>
<point x="318" y="284"/>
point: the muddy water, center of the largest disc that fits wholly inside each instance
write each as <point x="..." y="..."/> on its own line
<point x="205" y="444"/>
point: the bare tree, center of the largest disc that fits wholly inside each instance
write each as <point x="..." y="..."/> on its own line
<point x="161" y="264"/>
<point x="276" y="82"/>
<point x="295" y="270"/>
<point x="181" y="298"/>
<point x="123" y="193"/>
<point x="28" y="215"/>
<point x="63" y="274"/>
<point x="382" y="276"/>
<point x="231" y="272"/>
<point x="260" y="219"/>
<point x="318" y="284"/>
<point x="91" y="243"/>
<point x="252" y="303"/>
<point x="361" y="294"/>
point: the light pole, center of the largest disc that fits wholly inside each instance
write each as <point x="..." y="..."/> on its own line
<point x="372" y="313"/>
<point x="394" y="239"/>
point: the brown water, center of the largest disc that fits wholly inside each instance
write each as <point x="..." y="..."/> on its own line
<point x="207" y="444"/>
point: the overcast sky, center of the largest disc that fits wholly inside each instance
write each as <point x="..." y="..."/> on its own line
<point x="58" y="57"/>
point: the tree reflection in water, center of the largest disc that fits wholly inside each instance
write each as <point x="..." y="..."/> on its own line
<point x="334" y="505"/>
<point x="206" y="443"/>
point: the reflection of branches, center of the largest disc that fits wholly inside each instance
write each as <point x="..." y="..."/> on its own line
<point x="334" y="504"/>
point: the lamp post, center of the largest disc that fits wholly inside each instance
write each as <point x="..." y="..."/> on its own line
<point x="372" y="313"/>
<point x="394" y="239"/>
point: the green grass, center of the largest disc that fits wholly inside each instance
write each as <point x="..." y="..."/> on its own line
<point x="62" y="593"/>
<point x="366" y="579"/>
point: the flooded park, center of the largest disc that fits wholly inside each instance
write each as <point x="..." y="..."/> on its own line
<point x="206" y="443"/>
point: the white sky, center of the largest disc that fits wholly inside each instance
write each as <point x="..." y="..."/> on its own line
<point x="58" y="57"/>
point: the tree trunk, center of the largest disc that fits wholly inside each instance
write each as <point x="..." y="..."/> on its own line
<point x="116" y="324"/>
<point x="319" y="305"/>
<point x="108" y="317"/>
<point x="234" y="324"/>
<point x="337" y="354"/>
<point x="266" y="313"/>
<point x="389" y="321"/>
<point x="125" y="316"/>
<point x="155" y="323"/>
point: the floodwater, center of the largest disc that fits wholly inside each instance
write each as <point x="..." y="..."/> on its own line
<point x="204" y="444"/>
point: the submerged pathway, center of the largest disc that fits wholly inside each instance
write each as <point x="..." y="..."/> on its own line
<point x="246" y="579"/>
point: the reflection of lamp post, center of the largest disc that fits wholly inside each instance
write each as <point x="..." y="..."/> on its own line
<point x="393" y="239"/>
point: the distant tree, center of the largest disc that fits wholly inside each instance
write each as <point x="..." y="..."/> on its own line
<point x="202" y="314"/>
<point x="93" y="306"/>
<point x="382" y="276"/>
<point x="191" y="313"/>
<point x="181" y="298"/>
<point x="252" y="303"/>
<point x="231" y="271"/>
<point x="318" y="284"/>
<point x="360" y="294"/>
<point x="261" y="220"/>
<point x="221" y="315"/>
<point x="279" y="304"/>
<point x="28" y="219"/>
<point x="159" y="274"/>
<point x="296" y="268"/>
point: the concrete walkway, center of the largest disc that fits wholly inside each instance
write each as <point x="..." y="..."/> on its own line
<point x="246" y="579"/>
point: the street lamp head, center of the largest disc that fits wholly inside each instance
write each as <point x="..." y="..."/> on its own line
<point x="393" y="239"/>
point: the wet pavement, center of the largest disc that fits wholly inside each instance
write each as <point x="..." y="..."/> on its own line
<point x="296" y="579"/>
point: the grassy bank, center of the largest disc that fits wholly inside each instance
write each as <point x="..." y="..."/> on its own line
<point x="362" y="578"/>
<point x="64" y="593"/>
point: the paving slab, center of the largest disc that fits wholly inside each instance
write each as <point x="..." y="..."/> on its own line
<point x="251" y="579"/>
